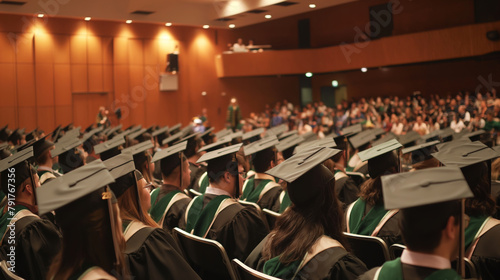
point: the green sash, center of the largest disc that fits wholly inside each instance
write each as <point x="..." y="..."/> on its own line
<point x="275" y="268"/>
<point x="204" y="183"/>
<point x="5" y="220"/>
<point x="156" y="211"/>
<point x="252" y="195"/>
<point x="365" y="225"/>
<point x="285" y="202"/>
<point x="475" y="224"/>
<point x="392" y="270"/>
<point x="199" y="219"/>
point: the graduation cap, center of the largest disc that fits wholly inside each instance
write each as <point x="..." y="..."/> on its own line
<point x="305" y="174"/>
<point x="421" y="152"/>
<point x="91" y="133"/>
<point x="325" y="142"/>
<point x="254" y="134"/>
<point x="138" y="148"/>
<point x="260" y="145"/>
<point x="207" y="135"/>
<point x="384" y="138"/>
<point x="65" y="146"/>
<point x="192" y="143"/>
<point x="409" y="139"/>
<point x="22" y="170"/>
<point x="453" y="143"/>
<point x="170" y="140"/>
<point x="287" y="145"/>
<point x="4" y="133"/>
<point x="461" y="134"/>
<point x="465" y="154"/>
<point x="187" y="129"/>
<point x="476" y="135"/>
<point x="89" y="128"/>
<point x="136" y="134"/>
<point x="55" y="134"/>
<point x="15" y="136"/>
<point x="170" y="158"/>
<point x="160" y="131"/>
<point x="217" y="145"/>
<point x="288" y="134"/>
<point x="223" y="132"/>
<point x="433" y="136"/>
<point x="362" y="139"/>
<point x="220" y="161"/>
<point x="352" y="130"/>
<point x="41" y="146"/>
<point x="67" y="128"/>
<point x="174" y="129"/>
<point x="32" y="135"/>
<point x="309" y="136"/>
<point x="121" y="168"/>
<point x="3" y="145"/>
<point x="446" y="134"/>
<point x="25" y="145"/>
<point x="424" y="187"/>
<point x="113" y="130"/>
<point x="381" y="157"/>
<point x="110" y="148"/>
<point x="277" y="130"/>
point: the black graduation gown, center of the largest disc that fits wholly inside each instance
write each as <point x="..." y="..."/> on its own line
<point x="238" y="228"/>
<point x="332" y="263"/>
<point x="409" y="271"/>
<point x="346" y="190"/>
<point x="486" y="256"/>
<point x="37" y="242"/>
<point x="175" y="216"/>
<point x="152" y="253"/>
<point x="196" y="172"/>
<point x="270" y="198"/>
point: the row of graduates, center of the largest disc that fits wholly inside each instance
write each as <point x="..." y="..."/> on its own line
<point x="240" y="228"/>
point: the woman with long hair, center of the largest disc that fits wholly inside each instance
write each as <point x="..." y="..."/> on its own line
<point x="307" y="241"/>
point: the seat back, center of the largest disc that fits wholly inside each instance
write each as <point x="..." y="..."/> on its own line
<point x="194" y="193"/>
<point x="246" y="273"/>
<point x="6" y="273"/>
<point x="470" y="268"/>
<point x="358" y="177"/>
<point x="271" y="217"/>
<point x="396" y="250"/>
<point x="207" y="257"/>
<point x="371" y="250"/>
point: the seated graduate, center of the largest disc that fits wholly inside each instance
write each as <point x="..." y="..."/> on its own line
<point x="224" y="141"/>
<point x="69" y="155"/>
<point x="33" y="241"/>
<point x="42" y="149"/>
<point x="143" y="161"/>
<point x="262" y="188"/>
<point x="482" y="235"/>
<point x="286" y="148"/>
<point x="151" y="252"/>
<point x="192" y="152"/>
<point x="430" y="223"/>
<point x="89" y="218"/>
<point x="110" y="148"/>
<point x="169" y="201"/>
<point x="346" y="189"/>
<point x="307" y="241"/>
<point x="420" y="156"/>
<point x="367" y="216"/>
<point x="217" y="215"/>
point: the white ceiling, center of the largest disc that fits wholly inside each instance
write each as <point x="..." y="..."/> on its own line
<point x="179" y="12"/>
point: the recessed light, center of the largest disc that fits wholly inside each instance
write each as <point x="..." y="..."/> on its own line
<point x="168" y="24"/>
<point x="312" y="6"/>
<point x="364" y="69"/>
<point x="335" y="83"/>
<point x="232" y="26"/>
<point x="128" y="21"/>
<point x="309" y="74"/>
<point x="206" y="26"/>
<point x="268" y="16"/>
<point x="88" y="18"/>
<point x="41" y="15"/>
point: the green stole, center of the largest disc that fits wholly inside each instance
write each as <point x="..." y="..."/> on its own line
<point x="394" y="270"/>
<point x="475" y="224"/>
<point x="156" y="211"/>
<point x="6" y="218"/>
<point x="199" y="219"/>
<point x="275" y="268"/>
<point x="204" y="183"/>
<point x="252" y="194"/>
<point x="365" y="225"/>
<point x="285" y="203"/>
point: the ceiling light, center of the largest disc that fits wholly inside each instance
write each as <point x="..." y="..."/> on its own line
<point x="335" y="83"/>
<point x="309" y="74"/>
<point x="88" y="18"/>
<point x="232" y="26"/>
<point x="128" y="21"/>
<point x="40" y="15"/>
<point x="268" y="16"/>
<point x="312" y="6"/>
<point x="364" y="69"/>
<point x="168" y="24"/>
<point x="206" y="26"/>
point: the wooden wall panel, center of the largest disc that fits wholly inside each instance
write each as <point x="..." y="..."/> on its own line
<point x="64" y="114"/>
<point x="78" y="44"/>
<point x="28" y="118"/>
<point x="25" y="81"/>
<point x="61" y="46"/>
<point x="135" y="52"/>
<point x="46" y="118"/>
<point x="95" y="77"/>
<point x="8" y="47"/>
<point x="24" y="48"/>
<point x="7" y="75"/>
<point x="44" y="81"/>
<point x="79" y="78"/>
<point x="62" y="84"/>
<point x="107" y="50"/>
<point x="107" y="78"/>
<point x="94" y="50"/>
<point x="44" y="48"/>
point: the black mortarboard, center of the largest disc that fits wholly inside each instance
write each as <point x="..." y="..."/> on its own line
<point x="465" y="154"/>
<point x="170" y="157"/>
<point x="138" y="148"/>
<point x="4" y="133"/>
<point x="362" y="140"/>
<point x="223" y="141"/>
<point x="381" y="157"/>
<point x="277" y="130"/>
<point x="384" y="138"/>
<point x="409" y="139"/>
<point x="136" y="134"/>
<point x="109" y="148"/>
<point x="55" y="134"/>
<point x="172" y="139"/>
<point x="424" y="187"/>
<point x="262" y="144"/>
<point x="21" y="169"/>
<point x="446" y="134"/>
<point x="476" y="135"/>
<point x="288" y="134"/>
<point x="41" y="146"/>
<point x="223" y="132"/>
<point x="309" y="136"/>
<point x="352" y="130"/>
<point x="113" y="130"/>
<point x="421" y="152"/>
<point x="25" y="145"/>
<point x="121" y="168"/>
<point x="207" y="136"/>
<point x="160" y="131"/>
<point x="253" y="135"/>
<point x="31" y="135"/>
<point x="174" y="129"/>
<point x="433" y="136"/>
<point x="65" y="146"/>
<point x="15" y="136"/>
<point x="378" y="132"/>
<point x="325" y="142"/>
<point x="305" y="174"/>
<point x="287" y="145"/>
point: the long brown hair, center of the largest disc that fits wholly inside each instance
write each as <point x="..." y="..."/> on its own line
<point x="299" y="227"/>
<point x="87" y="241"/>
<point x="129" y="208"/>
<point x="371" y="191"/>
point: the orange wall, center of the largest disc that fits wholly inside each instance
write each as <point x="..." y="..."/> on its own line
<point x="44" y="62"/>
